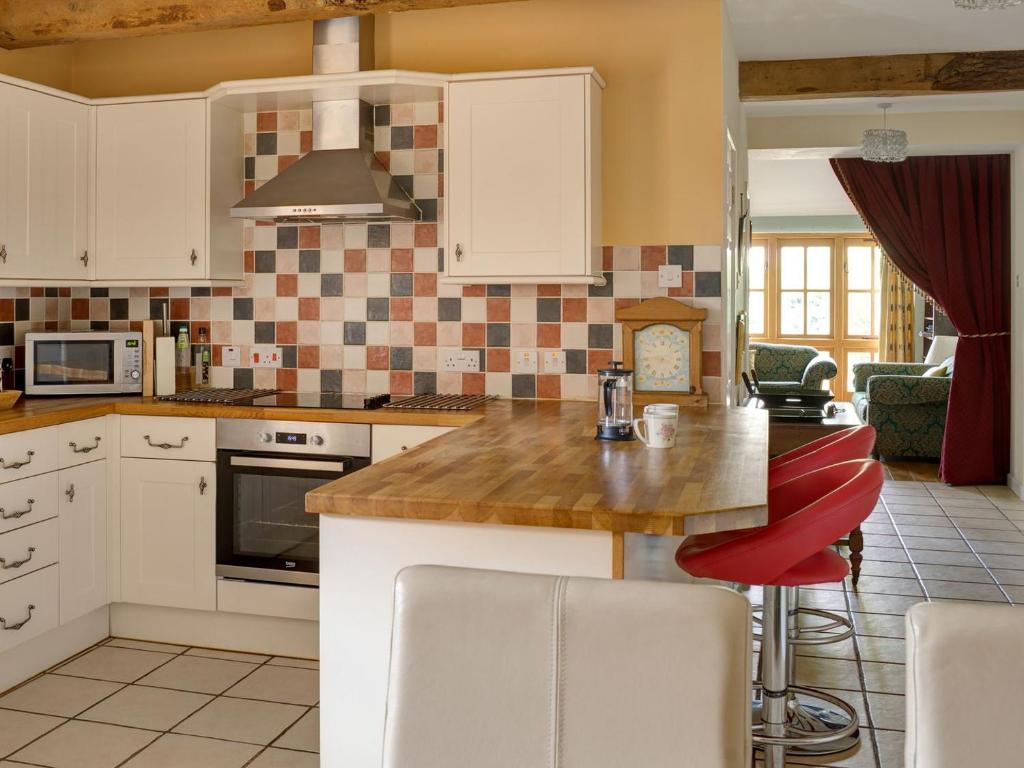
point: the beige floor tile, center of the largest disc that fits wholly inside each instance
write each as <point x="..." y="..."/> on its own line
<point x="85" y="745"/>
<point x="843" y="650"/>
<point x="930" y="531"/>
<point x="885" y="555"/>
<point x="1009" y="577"/>
<point x="984" y="523"/>
<point x="145" y="645"/>
<point x="879" y="624"/>
<point x="213" y="653"/>
<point x="890" y="748"/>
<point x="254" y="722"/>
<point x="998" y="548"/>
<point x="932" y="520"/>
<point x="58" y="695"/>
<point x="198" y="674"/>
<point x="964" y="591"/>
<point x="1015" y="562"/>
<point x="142" y="707"/>
<point x="285" y="684"/>
<point x="931" y="542"/>
<point x="827" y="673"/>
<point x="936" y="557"/>
<point x="285" y="758"/>
<point x="900" y="570"/>
<point x="19" y="728"/>
<point x="882" y="649"/>
<point x="304" y="735"/>
<point x="971" y="513"/>
<point x="888" y="711"/>
<point x="823" y="598"/>
<point x="877" y="528"/>
<point x="873" y="540"/>
<point x="1016" y="594"/>
<point x="120" y="665"/>
<point x="983" y="534"/>
<point x="285" y="661"/>
<point x="884" y="678"/>
<point x="868" y="602"/>
<point x="174" y="750"/>
<point x="954" y="573"/>
<point x="887" y="585"/>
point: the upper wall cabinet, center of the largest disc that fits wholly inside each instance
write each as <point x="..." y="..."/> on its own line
<point x="151" y="191"/>
<point x="44" y="189"/>
<point x="523" y="186"/>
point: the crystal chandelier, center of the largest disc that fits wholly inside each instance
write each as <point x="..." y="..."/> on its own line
<point x="985" y="5"/>
<point x="884" y="145"/>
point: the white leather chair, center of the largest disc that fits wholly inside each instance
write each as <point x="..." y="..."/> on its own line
<point x="505" y="670"/>
<point x="965" y="675"/>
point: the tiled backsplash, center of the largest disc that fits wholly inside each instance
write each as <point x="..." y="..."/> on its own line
<point x="359" y="307"/>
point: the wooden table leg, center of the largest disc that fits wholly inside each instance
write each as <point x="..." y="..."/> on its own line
<point x="856" y="548"/>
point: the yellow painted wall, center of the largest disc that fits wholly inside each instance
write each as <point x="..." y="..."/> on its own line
<point x="49" y="66"/>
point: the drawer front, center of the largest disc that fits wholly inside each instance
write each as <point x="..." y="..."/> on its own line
<point x="82" y="441"/>
<point x="28" y="501"/>
<point x="168" y="437"/>
<point x="32" y="452"/>
<point x="28" y="549"/>
<point x="28" y="607"/>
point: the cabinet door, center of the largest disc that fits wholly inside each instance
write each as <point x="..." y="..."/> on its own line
<point x="390" y="440"/>
<point x="516" y="196"/>
<point x="83" y="539"/>
<point x="151" y="191"/>
<point x="14" y="169"/>
<point x="167" y="533"/>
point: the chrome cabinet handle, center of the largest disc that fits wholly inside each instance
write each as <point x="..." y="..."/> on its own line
<point x="18" y="464"/>
<point x="84" y="258"/>
<point x="458" y="251"/>
<point x="70" y="492"/>
<point x="87" y="448"/>
<point x="202" y="486"/>
<point x="3" y="253"/>
<point x="165" y="446"/>
<point x="4" y="515"/>
<point x="193" y="257"/>
<point x="4" y="565"/>
<point x="11" y="627"/>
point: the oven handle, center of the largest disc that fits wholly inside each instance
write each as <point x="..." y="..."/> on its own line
<point x="316" y="465"/>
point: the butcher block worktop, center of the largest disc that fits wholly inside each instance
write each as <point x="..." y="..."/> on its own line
<point x="537" y="463"/>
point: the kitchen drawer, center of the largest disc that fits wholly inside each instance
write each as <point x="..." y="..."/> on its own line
<point x="28" y="607"/>
<point x="168" y="437"/>
<point x="28" y="549"/>
<point x="32" y="452"/>
<point x="82" y="441"/>
<point x="28" y="501"/>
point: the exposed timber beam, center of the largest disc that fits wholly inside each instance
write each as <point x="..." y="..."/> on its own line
<point x="901" y="75"/>
<point x="29" y="23"/>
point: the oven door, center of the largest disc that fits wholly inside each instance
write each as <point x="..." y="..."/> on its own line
<point x="263" y="530"/>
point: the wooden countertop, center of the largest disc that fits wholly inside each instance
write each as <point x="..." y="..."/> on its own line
<point x="537" y="463"/>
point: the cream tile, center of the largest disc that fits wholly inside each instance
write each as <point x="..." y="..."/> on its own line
<point x="1016" y="594"/>
<point x="121" y="665"/>
<point x="19" y="728"/>
<point x="1009" y="577"/>
<point x="886" y="585"/>
<point x="285" y="758"/>
<point x="145" y="645"/>
<point x="884" y="678"/>
<point x="934" y="531"/>
<point x="174" y="750"/>
<point x="1003" y="561"/>
<point x="254" y="722"/>
<point x="85" y="745"/>
<point x="900" y="570"/>
<point x="211" y="653"/>
<point x="882" y="649"/>
<point x="195" y="673"/>
<point x="998" y="548"/>
<point x="286" y="661"/>
<point x="954" y="573"/>
<point x="304" y="735"/>
<point x="58" y="695"/>
<point x="141" y="707"/>
<point x="871" y="603"/>
<point x="284" y="684"/>
<point x="890" y="748"/>
<point x="930" y="542"/>
<point x="964" y="591"/>
<point x="937" y="520"/>
<point x="888" y="711"/>
<point x="936" y="557"/>
<point x="828" y="673"/>
<point x="879" y="624"/>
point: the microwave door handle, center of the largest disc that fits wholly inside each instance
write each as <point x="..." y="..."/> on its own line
<point x="300" y="464"/>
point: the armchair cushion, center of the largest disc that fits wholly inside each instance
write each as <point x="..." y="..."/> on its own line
<point x="823" y="368"/>
<point x="790" y="368"/>
<point x="908" y="390"/>
<point x="864" y="371"/>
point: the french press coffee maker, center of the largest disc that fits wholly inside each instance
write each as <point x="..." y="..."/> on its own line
<point x="615" y="403"/>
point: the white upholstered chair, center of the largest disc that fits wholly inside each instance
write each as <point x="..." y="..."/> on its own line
<point x="503" y="670"/>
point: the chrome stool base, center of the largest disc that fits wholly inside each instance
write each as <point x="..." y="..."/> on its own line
<point x="804" y="717"/>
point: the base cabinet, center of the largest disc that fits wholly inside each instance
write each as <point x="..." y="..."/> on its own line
<point x="168" y="555"/>
<point x="392" y="439"/>
<point x="83" y="539"/>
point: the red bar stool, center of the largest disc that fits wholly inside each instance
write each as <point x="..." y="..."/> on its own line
<point x="845" y="445"/>
<point x="794" y="549"/>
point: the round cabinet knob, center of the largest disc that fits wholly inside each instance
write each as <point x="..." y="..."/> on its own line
<point x="266" y="437"/>
<point x="405" y="447"/>
<point x="135" y="374"/>
<point x="316" y="440"/>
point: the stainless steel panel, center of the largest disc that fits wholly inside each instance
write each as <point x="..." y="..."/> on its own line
<point x="270" y="575"/>
<point x="258" y="435"/>
<point x="307" y="464"/>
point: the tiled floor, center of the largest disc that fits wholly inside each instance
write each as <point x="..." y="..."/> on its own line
<point x="924" y="541"/>
<point x="151" y="705"/>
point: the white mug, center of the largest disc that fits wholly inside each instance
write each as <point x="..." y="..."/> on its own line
<point x="657" y="428"/>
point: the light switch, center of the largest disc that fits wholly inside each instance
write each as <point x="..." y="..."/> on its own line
<point x="524" y="361"/>
<point x="670" y="276"/>
<point x="231" y="357"/>
<point x="553" y="361"/>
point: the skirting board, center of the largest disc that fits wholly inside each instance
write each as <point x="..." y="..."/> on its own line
<point x="1015" y="485"/>
<point x="40" y="653"/>
<point x="211" y="629"/>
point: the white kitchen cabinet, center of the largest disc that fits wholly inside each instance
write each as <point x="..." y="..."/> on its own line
<point x="151" y="190"/>
<point x="44" y="186"/>
<point x="523" y="178"/>
<point x="83" y="539"/>
<point x="168" y="533"/>
<point x="389" y="440"/>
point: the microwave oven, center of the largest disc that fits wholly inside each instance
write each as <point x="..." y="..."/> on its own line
<point x="83" y="363"/>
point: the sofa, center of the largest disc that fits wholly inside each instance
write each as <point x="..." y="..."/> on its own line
<point x="790" y="368"/>
<point x="906" y="408"/>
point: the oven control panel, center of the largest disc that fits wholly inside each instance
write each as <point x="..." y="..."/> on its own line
<point x="294" y="437"/>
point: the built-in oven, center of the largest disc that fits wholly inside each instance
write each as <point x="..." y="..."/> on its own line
<point x="264" y="469"/>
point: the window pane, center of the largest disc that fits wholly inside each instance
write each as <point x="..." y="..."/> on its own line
<point x="755" y="266"/>
<point x="856" y="357"/>
<point x="792" y="310"/>
<point x="878" y="267"/>
<point x="878" y="313"/>
<point x="792" y="267"/>
<point x="756" y="313"/>
<point x="819" y="267"/>
<point x="859" y="267"/>
<point x="858" y="308"/>
<point x="818" y="310"/>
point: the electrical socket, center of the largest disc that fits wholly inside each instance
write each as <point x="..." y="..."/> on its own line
<point x="460" y="360"/>
<point x="552" y="361"/>
<point x="231" y="357"/>
<point x="524" y="361"/>
<point x="670" y="276"/>
<point x="265" y="356"/>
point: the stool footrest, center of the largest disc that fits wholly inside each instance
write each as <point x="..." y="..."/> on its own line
<point x="800" y="737"/>
<point x="835" y="621"/>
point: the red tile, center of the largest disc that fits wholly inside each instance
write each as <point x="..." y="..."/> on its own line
<point x="250" y="186"/>
<point x="19" y="357"/>
<point x="79" y="309"/>
<point x="266" y="121"/>
<point x="652" y="257"/>
<point x="309" y="308"/>
<point x="473" y="383"/>
<point x="179" y="309"/>
<point x="686" y="289"/>
<point x="305" y="141"/>
<point x="425" y="235"/>
<point x="309" y="357"/>
<point x="37" y="293"/>
<point x="355" y="260"/>
<point x="51" y="325"/>
<point x="549" y="290"/>
<point x="711" y="363"/>
<point x="401" y="309"/>
<point x="287" y="379"/>
<point x="474" y="290"/>
<point x="424" y="284"/>
<point x="574" y="310"/>
<point x="287" y="332"/>
<point x="288" y="285"/>
<point x="401" y="259"/>
<point x="606" y="258"/>
<point x="377" y="358"/>
<point x="424" y="334"/>
<point x="498" y="360"/>
<point x="384" y="158"/>
<point x="217" y="355"/>
<point x="222" y="292"/>
<point x="154" y="293"/>
<point x="283" y="161"/>
<point x="598" y="358"/>
<point x="549" y="335"/>
<point x="424" y="136"/>
<point x="249" y="261"/>
<point x="474" y="335"/>
<point x="309" y="237"/>
<point x="625" y="303"/>
<point x="6" y="310"/>
<point x="549" y="386"/>
<point x="499" y="310"/>
<point x="401" y="382"/>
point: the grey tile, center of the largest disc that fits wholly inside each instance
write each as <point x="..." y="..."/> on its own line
<point x="401" y="358"/>
<point x="58" y="695"/>
<point x="330" y="380"/>
<point x="887" y="711"/>
<point x="355" y="333"/>
<point x="1016" y="594"/>
<point x="265" y="261"/>
<point x="882" y="649"/>
<point x="890" y="748"/>
<point x="309" y="261"/>
<point x="424" y="383"/>
<point x="929" y="531"/>
<point x="85" y="745"/>
<point x="907" y="520"/>
<point x="1015" y="562"/>
<point x="887" y="585"/>
<point x="286" y="661"/>
<point x="964" y="591"/>
<point x="885" y="554"/>
<point x="607" y="290"/>
<point x="499" y="334"/>
<point x="252" y="722"/>
<point x="681" y="256"/>
<point x="897" y="569"/>
<point x="174" y="750"/>
<point x="985" y="534"/>
<point x="266" y="143"/>
<point x="378" y="309"/>
<point x="576" y="361"/>
<point x="119" y="665"/>
<point x="198" y="674"/>
<point x="599" y="336"/>
<point x="449" y="309"/>
<point x="868" y="602"/>
<point x="828" y="673"/>
<point x="879" y="624"/>
<point x="931" y="542"/>
<point x="524" y="385"/>
<point x="332" y="284"/>
<point x="382" y="114"/>
<point x="499" y="289"/>
<point x="1009" y="577"/>
<point x="954" y="573"/>
<point x="937" y="557"/>
<point x="401" y="284"/>
<point x="242" y="309"/>
<point x="265" y="332"/>
<point x="401" y="137"/>
<point x="378" y="235"/>
<point x="707" y="283"/>
<point x="997" y="548"/>
<point x="549" y="310"/>
<point x="880" y="677"/>
<point x="138" y="706"/>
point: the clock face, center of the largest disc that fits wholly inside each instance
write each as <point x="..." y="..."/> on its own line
<point x="661" y="355"/>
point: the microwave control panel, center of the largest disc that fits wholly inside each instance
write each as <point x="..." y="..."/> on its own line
<point x="132" y="364"/>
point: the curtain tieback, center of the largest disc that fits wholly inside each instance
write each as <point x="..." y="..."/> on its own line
<point x="983" y="335"/>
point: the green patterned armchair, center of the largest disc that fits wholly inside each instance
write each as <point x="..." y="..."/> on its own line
<point x="791" y="368"/>
<point x="907" y="409"/>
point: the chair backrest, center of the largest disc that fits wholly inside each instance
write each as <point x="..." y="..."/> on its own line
<point x="781" y="362"/>
<point x="964" y="683"/>
<point x="507" y="670"/>
<point x="845" y="445"/>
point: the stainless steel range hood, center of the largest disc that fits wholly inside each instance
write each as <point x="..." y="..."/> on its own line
<point x="341" y="179"/>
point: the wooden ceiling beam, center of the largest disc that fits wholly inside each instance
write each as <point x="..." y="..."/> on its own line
<point x="30" y="23"/>
<point x="900" y="75"/>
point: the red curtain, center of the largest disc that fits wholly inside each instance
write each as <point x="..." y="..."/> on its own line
<point x="945" y="223"/>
